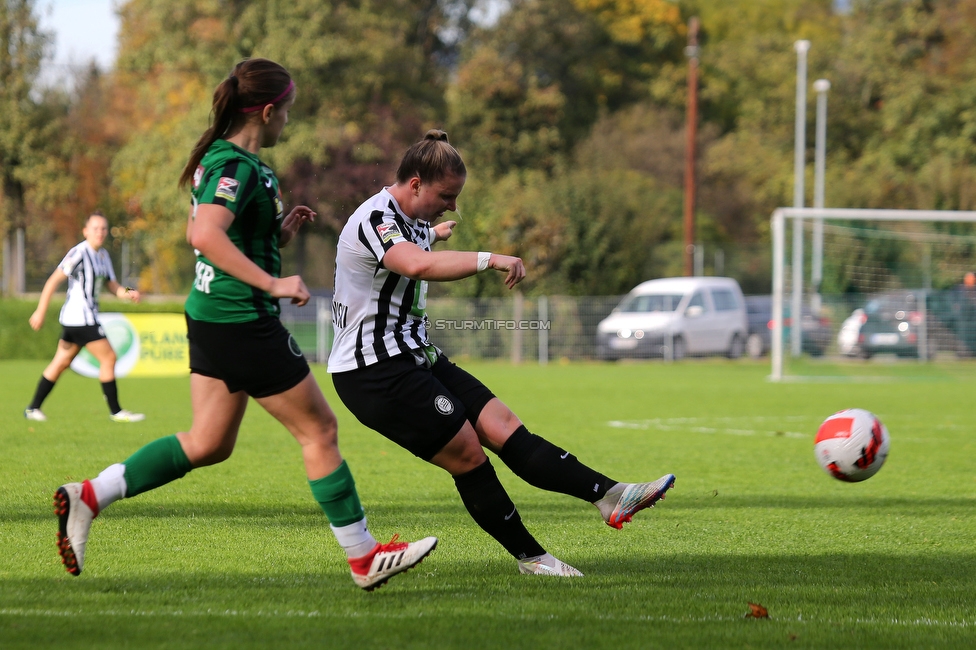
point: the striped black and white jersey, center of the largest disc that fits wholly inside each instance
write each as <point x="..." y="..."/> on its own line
<point x="87" y="271"/>
<point x="377" y="314"/>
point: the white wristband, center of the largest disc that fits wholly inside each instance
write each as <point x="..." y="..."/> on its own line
<point x="483" y="259"/>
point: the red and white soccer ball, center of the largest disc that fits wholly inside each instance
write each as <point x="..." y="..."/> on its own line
<point x="852" y="445"/>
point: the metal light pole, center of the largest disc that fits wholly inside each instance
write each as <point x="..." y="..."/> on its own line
<point x="799" y="160"/>
<point x="692" y="119"/>
<point x="821" y="86"/>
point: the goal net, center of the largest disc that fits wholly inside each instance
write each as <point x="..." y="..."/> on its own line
<point x="871" y="284"/>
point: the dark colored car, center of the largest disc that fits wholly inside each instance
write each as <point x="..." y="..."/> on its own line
<point x="955" y="314"/>
<point x="759" y="311"/>
<point x="899" y="323"/>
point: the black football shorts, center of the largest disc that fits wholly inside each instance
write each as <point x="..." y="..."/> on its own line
<point x="259" y="357"/>
<point x="82" y="334"/>
<point x="419" y="408"/>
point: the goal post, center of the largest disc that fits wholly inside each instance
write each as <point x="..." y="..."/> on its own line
<point x="797" y="216"/>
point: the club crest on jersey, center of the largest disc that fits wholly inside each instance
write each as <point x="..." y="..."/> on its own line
<point x="388" y="230"/>
<point x="279" y="208"/>
<point x="443" y="405"/>
<point x="197" y="176"/>
<point x="227" y="188"/>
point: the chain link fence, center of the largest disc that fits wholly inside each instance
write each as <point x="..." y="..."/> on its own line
<point x="919" y="324"/>
<point x="517" y="329"/>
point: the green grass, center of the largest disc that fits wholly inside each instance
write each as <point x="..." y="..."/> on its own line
<point x="239" y="555"/>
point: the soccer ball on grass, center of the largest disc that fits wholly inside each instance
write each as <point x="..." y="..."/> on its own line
<point x="852" y="445"/>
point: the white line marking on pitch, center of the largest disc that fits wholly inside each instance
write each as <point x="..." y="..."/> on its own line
<point x="234" y="613"/>
<point x="727" y="426"/>
<point x="750" y="426"/>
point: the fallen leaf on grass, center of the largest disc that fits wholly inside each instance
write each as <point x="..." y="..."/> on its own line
<point x="757" y="611"/>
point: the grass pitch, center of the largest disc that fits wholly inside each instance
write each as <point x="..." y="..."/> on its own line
<point x="240" y="556"/>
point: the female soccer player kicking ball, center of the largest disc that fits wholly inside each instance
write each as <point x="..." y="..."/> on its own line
<point x="396" y="382"/>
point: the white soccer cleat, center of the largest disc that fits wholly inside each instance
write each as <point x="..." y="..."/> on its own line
<point x="624" y="500"/>
<point x="35" y="415"/>
<point x="74" y="522"/>
<point x="127" y="416"/>
<point x="547" y="565"/>
<point x="372" y="570"/>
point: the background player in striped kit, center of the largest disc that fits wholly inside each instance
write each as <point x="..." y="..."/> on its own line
<point x="238" y="346"/>
<point x="396" y="382"/>
<point x="88" y="268"/>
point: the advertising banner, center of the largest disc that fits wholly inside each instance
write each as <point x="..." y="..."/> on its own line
<point x="146" y="345"/>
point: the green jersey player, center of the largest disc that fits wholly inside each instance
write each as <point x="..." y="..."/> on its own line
<point x="238" y="346"/>
<point x="236" y="179"/>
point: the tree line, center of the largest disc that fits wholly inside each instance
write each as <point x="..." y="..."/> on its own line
<point x="569" y="113"/>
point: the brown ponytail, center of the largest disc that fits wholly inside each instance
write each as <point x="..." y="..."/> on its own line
<point x="431" y="159"/>
<point x="252" y="83"/>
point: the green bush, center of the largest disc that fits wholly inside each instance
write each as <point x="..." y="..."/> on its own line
<point x="19" y="341"/>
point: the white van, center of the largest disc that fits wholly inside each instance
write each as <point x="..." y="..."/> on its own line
<point x="676" y="317"/>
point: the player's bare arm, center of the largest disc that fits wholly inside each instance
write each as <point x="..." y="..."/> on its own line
<point x="209" y="236"/>
<point x="37" y="318"/>
<point x="443" y="231"/>
<point x="410" y="260"/>
<point x="124" y="293"/>
<point x="189" y="227"/>
<point x="299" y="215"/>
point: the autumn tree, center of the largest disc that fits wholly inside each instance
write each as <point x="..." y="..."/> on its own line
<point x="22" y="48"/>
<point x="531" y="86"/>
<point x="370" y="82"/>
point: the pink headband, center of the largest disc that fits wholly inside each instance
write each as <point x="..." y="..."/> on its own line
<point x="251" y="109"/>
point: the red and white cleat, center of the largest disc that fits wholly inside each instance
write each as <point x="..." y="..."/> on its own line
<point x="372" y="570"/>
<point x="75" y="516"/>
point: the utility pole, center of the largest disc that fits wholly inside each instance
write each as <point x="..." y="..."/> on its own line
<point x="799" y="168"/>
<point x="692" y="128"/>
<point x="820" y="163"/>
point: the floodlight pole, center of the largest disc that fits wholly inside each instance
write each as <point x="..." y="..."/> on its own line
<point x="692" y="126"/>
<point x="820" y="162"/>
<point x="799" y="159"/>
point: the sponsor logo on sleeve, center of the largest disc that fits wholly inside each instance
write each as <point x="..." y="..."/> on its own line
<point x="227" y="188"/>
<point x="388" y="231"/>
<point x="197" y="176"/>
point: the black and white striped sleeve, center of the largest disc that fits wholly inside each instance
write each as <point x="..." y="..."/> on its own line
<point x="71" y="260"/>
<point x="107" y="261"/>
<point x="380" y="232"/>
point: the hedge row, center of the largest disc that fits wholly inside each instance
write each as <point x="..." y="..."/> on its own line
<point x="19" y="341"/>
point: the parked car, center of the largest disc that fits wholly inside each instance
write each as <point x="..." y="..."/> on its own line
<point x="955" y="311"/>
<point x="816" y="330"/>
<point x="680" y="316"/>
<point x="850" y="332"/>
<point x="893" y="323"/>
